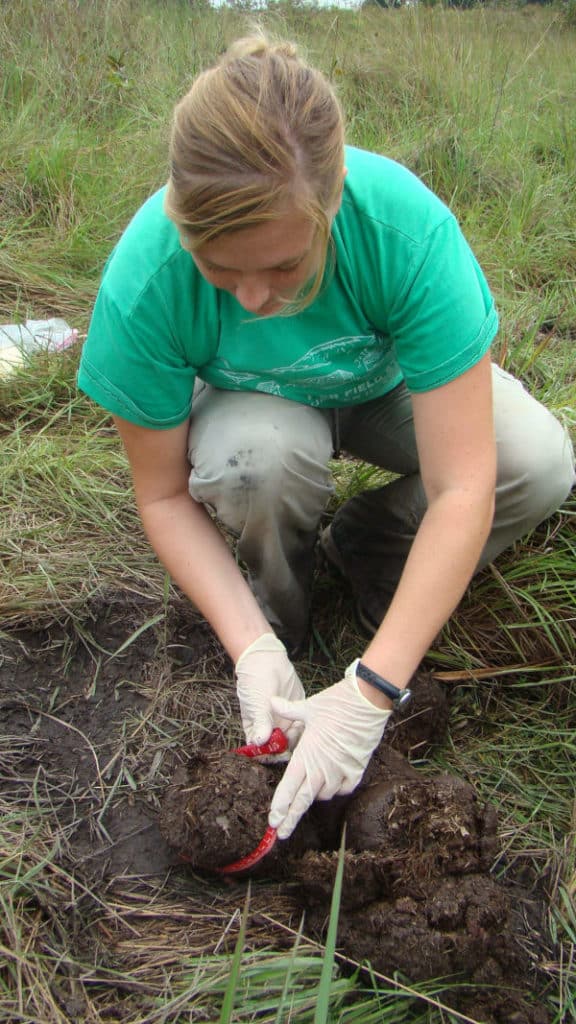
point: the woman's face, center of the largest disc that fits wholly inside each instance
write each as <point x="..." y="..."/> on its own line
<point x="265" y="266"/>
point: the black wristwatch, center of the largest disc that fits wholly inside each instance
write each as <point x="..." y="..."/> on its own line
<point x="398" y="697"/>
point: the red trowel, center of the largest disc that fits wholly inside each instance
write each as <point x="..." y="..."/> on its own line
<point x="277" y="744"/>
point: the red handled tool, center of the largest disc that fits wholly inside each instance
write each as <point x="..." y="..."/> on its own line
<point x="277" y="744"/>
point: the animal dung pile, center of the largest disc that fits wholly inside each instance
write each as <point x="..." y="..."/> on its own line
<point x="418" y="895"/>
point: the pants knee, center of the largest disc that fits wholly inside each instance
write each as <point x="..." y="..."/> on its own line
<point x="535" y="457"/>
<point x="253" y="478"/>
<point x="540" y="481"/>
<point x="552" y="479"/>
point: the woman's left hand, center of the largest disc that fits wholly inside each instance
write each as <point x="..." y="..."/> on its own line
<point x="342" y="728"/>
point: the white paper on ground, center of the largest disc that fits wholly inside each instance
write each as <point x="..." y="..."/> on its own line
<point x="20" y="340"/>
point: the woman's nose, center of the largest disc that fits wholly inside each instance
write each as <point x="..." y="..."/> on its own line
<point x="252" y="293"/>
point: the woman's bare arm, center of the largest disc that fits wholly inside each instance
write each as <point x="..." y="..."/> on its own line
<point x="455" y="435"/>
<point x="184" y="537"/>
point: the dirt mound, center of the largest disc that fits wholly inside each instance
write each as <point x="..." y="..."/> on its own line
<point x="242" y="791"/>
<point x="418" y="897"/>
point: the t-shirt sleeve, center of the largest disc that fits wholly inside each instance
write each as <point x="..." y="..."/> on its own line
<point x="133" y="365"/>
<point x="443" y="318"/>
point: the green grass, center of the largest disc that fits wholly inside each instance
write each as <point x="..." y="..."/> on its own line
<point x="481" y="105"/>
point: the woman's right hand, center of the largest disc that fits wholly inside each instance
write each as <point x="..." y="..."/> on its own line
<point x="264" y="670"/>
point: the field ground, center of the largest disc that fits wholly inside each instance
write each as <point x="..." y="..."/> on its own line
<point x="108" y="679"/>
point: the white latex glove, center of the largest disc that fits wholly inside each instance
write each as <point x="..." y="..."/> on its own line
<point x="263" y="671"/>
<point x="342" y="728"/>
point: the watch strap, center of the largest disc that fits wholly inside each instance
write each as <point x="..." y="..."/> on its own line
<point x="394" y="693"/>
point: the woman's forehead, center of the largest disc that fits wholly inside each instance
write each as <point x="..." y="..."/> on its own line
<point x="285" y="239"/>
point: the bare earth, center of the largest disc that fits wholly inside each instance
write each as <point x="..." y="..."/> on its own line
<point x="79" y="716"/>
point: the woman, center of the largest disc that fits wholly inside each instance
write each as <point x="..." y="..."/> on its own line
<point x="283" y="296"/>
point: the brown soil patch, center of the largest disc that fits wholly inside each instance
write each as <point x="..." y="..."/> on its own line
<point x="102" y="729"/>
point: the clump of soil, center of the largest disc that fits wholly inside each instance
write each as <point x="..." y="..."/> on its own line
<point x="422" y="722"/>
<point x="215" y="810"/>
<point x="417" y="898"/>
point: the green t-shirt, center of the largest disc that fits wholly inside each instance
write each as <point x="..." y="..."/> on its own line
<point x="405" y="299"/>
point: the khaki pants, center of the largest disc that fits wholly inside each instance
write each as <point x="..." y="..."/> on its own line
<point x="261" y="464"/>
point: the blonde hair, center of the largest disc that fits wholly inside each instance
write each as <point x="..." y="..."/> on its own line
<point x="258" y="134"/>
